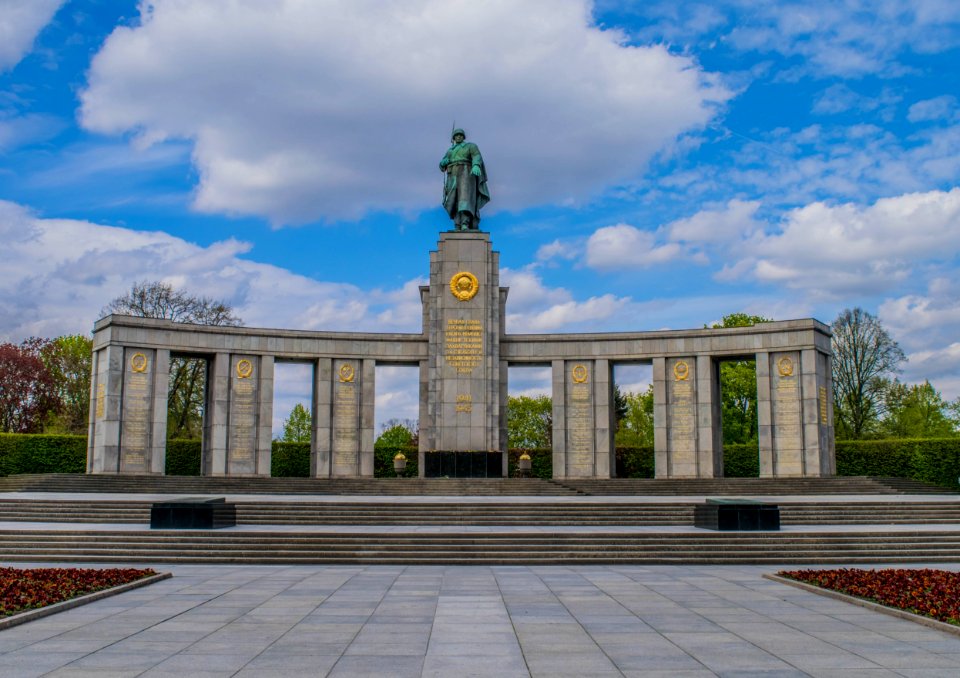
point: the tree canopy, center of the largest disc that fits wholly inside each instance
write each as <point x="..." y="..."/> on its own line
<point x="397" y="433"/>
<point x="68" y="360"/>
<point x="28" y="392"/>
<point x="296" y="427"/>
<point x="865" y="357"/>
<point x="529" y="422"/>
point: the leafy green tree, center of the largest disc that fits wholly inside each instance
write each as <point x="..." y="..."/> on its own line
<point x="917" y="411"/>
<point x="156" y="299"/>
<point x="864" y="358"/>
<point x="738" y="388"/>
<point x="396" y="433"/>
<point x="635" y="428"/>
<point x="68" y="360"/>
<point x="529" y="421"/>
<point x="296" y="427"/>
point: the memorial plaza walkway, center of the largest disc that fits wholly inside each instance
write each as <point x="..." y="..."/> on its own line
<point x="679" y="621"/>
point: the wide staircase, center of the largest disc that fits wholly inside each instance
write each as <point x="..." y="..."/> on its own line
<point x="490" y="548"/>
<point x="554" y="514"/>
<point x="517" y="521"/>
<point x="75" y="482"/>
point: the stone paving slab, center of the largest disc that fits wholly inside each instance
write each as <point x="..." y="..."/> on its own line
<point x="677" y="621"/>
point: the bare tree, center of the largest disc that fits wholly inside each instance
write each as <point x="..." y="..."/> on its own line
<point x="864" y="356"/>
<point x="161" y="300"/>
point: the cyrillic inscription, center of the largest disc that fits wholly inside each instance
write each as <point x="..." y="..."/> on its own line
<point x="463" y="344"/>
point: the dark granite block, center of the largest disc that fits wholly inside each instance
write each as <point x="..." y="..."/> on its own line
<point x="196" y="513"/>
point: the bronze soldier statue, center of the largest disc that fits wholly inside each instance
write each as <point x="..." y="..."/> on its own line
<point x="465" y="189"/>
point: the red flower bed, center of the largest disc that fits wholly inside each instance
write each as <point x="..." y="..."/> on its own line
<point x="932" y="593"/>
<point x="27" y="589"/>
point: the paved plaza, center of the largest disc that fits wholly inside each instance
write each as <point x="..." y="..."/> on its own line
<point x="474" y="621"/>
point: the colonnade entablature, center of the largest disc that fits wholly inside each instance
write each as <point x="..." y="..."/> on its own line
<point x="463" y="355"/>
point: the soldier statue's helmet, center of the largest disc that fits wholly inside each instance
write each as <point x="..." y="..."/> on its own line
<point x="456" y="132"/>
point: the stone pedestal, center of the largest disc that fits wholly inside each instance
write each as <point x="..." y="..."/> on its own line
<point x="460" y="407"/>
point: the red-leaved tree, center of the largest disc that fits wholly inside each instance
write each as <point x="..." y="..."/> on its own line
<point x="28" y="393"/>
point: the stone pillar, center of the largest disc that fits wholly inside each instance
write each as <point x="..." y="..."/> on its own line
<point x="427" y="439"/>
<point x="582" y="419"/>
<point x="265" y="417"/>
<point x="686" y="417"/>
<point x="783" y="440"/>
<point x="764" y="415"/>
<point x="816" y="386"/>
<point x="343" y="418"/>
<point x="367" y="413"/>
<point x="128" y="433"/>
<point x="321" y="416"/>
<point x="214" y="452"/>
<point x="710" y="436"/>
<point x="247" y="401"/>
<point x="106" y="390"/>
<point x="464" y="329"/>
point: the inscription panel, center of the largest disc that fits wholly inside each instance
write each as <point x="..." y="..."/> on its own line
<point x="579" y="424"/>
<point x="463" y="345"/>
<point x="787" y="414"/>
<point x="135" y="410"/>
<point x="682" y="416"/>
<point x="346" y="420"/>
<point x="242" y="432"/>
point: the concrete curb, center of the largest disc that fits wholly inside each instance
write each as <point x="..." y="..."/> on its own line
<point x="30" y="615"/>
<point x="876" y="607"/>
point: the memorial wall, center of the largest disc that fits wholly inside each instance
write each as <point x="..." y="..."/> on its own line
<point x="463" y="354"/>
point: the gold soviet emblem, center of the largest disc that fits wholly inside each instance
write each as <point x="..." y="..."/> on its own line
<point x="579" y="374"/>
<point x="681" y="371"/>
<point x="346" y="373"/>
<point x="138" y="363"/>
<point x="785" y="367"/>
<point x="464" y="285"/>
<point x="244" y="368"/>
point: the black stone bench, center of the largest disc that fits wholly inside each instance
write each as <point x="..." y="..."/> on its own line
<point x="734" y="514"/>
<point x="198" y="513"/>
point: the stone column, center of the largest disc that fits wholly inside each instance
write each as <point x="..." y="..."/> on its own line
<point x="463" y="327"/>
<point x="106" y="389"/>
<point x="428" y="399"/>
<point x="786" y="418"/>
<point x="320" y="448"/>
<point x="710" y="437"/>
<point x="817" y="405"/>
<point x="265" y="417"/>
<point x="764" y="415"/>
<point x="343" y="418"/>
<point x="367" y="412"/>
<point x="686" y="417"/>
<point x="216" y="415"/>
<point x="247" y="402"/>
<point x="143" y="420"/>
<point x="582" y="419"/>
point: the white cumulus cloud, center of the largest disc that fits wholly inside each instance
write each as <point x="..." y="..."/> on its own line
<point x="300" y="111"/>
<point x="20" y="22"/>
<point x="623" y="245"/>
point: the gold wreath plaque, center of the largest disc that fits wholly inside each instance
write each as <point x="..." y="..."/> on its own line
<point x="681" y="371"/>
<point x="138" y="363"/>
<point x="785" y="367"/>
<point x="579" y="374"/>
<point x="346" y="373"/>
<point x="244" y="368"/>
<point x="464" y="285"/>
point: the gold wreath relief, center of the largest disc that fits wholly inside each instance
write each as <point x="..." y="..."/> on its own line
<point x="138" y="363"/>
<point x="464" y="285"/>
<point x="346" y="373"/>
<point x="579" y="374"/>
<point x="244" y="368"/>
<point x="681" y="371"/>
<point x="785" y="367"/>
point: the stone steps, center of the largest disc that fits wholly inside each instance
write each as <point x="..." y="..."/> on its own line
<point x="481" y="514"/>
<point x="479" y="548"/>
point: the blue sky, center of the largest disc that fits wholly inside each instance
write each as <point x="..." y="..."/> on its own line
<point x="652" y="165"/>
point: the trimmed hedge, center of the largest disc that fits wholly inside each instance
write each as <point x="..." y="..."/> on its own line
<point x="932" y="460"/>
<point x="40" y="453"/>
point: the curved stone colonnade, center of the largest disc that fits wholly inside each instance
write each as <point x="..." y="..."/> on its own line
<point x="463" y="356"/>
